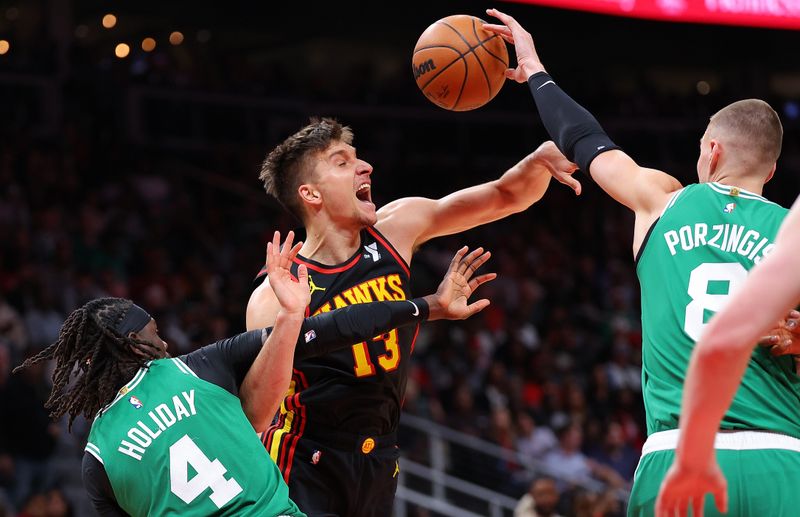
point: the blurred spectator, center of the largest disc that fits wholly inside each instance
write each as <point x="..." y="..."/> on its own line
<point x="570" y="465"/>
<point x="615" y="452"/>
<point x="541" y="499"/>
<point x="534" y="441"/>
<point x="27" y="435"/>
<point x="12" y="327"/>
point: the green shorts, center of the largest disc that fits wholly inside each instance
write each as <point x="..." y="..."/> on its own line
<point x="761" y="481"/>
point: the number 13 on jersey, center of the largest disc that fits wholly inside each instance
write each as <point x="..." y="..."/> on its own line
<point x="388" y="361"/>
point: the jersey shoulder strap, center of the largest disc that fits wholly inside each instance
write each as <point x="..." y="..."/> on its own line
<point x="385" y="243"/>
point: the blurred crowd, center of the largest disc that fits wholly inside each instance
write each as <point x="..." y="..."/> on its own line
<point x="551" y="370"/>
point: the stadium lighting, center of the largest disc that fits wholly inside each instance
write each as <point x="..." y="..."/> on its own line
<point x="109" y="21"/>
<point x="5" y="46"/>
<point x="122" y="50"/>
<point x="176" y="38"/>
<point x="148" y="44"/>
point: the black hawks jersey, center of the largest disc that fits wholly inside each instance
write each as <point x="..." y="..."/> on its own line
<point x="360" y="389"/>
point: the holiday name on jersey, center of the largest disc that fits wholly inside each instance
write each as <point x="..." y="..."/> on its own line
<point x="732" y="238"/>
<point x="381" y="289"/>
<point x="163" y="416"/>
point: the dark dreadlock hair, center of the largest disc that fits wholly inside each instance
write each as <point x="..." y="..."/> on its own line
<point x="100" y="359"/>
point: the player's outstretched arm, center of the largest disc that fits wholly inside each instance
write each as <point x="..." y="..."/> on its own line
<point x="578" y="134"/>
<point x="266" y="381"/>
<point x="717" y="365"/>
<point x="338" y="329"/>
<point x="411" y="221"/>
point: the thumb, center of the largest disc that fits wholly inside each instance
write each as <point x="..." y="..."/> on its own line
<point x="575" y="185"/>
<point x="721" y="498"/>
<point x="476" y="307"/>
<point x="569" y="181"/>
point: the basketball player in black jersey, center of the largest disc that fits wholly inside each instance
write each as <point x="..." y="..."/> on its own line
<point x="335" y="437"/>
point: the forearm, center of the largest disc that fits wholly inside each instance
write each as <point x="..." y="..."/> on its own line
<point x="575" y="131"/>
<point x="341" y="328"/>
<point x="720" y="358"/>
<point x="523" y="184"/>
<point x="711" y="383"/>
<point x="266" y="382"/>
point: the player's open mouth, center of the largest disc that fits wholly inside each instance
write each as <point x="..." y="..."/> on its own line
<point x="364" y="193"/>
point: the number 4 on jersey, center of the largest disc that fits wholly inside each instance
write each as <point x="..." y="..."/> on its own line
<point x="209" y="474"/>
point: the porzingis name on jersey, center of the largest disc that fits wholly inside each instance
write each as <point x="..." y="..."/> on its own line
<point x="165" y="415"/>
<point x="380" y="289"/>
<point x="731" y="238"/>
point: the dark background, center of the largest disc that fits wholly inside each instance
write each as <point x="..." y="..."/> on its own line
<point x="137" y="177"/>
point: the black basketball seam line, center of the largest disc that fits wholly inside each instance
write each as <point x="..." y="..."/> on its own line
<point x="463" y="56"/>
<point x="443" y="70"/>
<point x="481" y="44"/>
<point x="470" y="50"/>
<point x="480" y="63"/>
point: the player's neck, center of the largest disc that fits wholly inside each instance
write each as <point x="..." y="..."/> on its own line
<point x="330" y="245"/>
<point x="743" y="181"/>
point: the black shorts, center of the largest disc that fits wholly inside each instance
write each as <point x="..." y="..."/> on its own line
<point x="344" y="476"/>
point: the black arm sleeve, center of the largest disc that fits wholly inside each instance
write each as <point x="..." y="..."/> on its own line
<point x="574" y="130"/>
<point x="98" y="487"/>
<point x="341" y="328"/>
<point x="226" y="362"/>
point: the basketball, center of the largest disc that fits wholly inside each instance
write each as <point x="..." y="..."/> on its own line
<point x="458" y="65"/>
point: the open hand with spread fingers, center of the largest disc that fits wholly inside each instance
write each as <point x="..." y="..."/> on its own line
<point x="292" y="293"/>
<point x="684" y="488"/>
<point x="451" y="300"/>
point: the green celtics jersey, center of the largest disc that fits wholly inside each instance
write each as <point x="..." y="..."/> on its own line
<point x="700" y="250"/>
<point x="174" y="444"/>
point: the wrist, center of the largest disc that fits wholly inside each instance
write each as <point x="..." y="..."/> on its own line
<point x="694" y="458"/>
<point x="532" y="68"/>
<point x="288" y="317"/>
<point x="435" y="308"/>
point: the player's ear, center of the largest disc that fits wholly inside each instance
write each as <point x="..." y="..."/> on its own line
<point x="771" y="172"/>
<point x="309" y="194"/>
<point x="713" y="160"/>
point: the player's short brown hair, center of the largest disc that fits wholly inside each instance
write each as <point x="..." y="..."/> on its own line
<point x="752" y="126"/>
<point x="288" y="165"/>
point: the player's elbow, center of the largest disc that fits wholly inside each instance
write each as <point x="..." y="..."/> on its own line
<point x="720" y="348"/>
<point x="256" y="418"/>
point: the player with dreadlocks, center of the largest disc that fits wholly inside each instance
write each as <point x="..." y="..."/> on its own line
<point x="170" y="435"/>
<point x="94" y="341"/>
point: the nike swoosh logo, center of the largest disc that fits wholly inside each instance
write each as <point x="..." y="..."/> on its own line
<point x="545" y="84"/>
<point x="416" y="309"/>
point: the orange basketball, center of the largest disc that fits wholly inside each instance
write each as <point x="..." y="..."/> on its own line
<point x="458" y="65"/>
